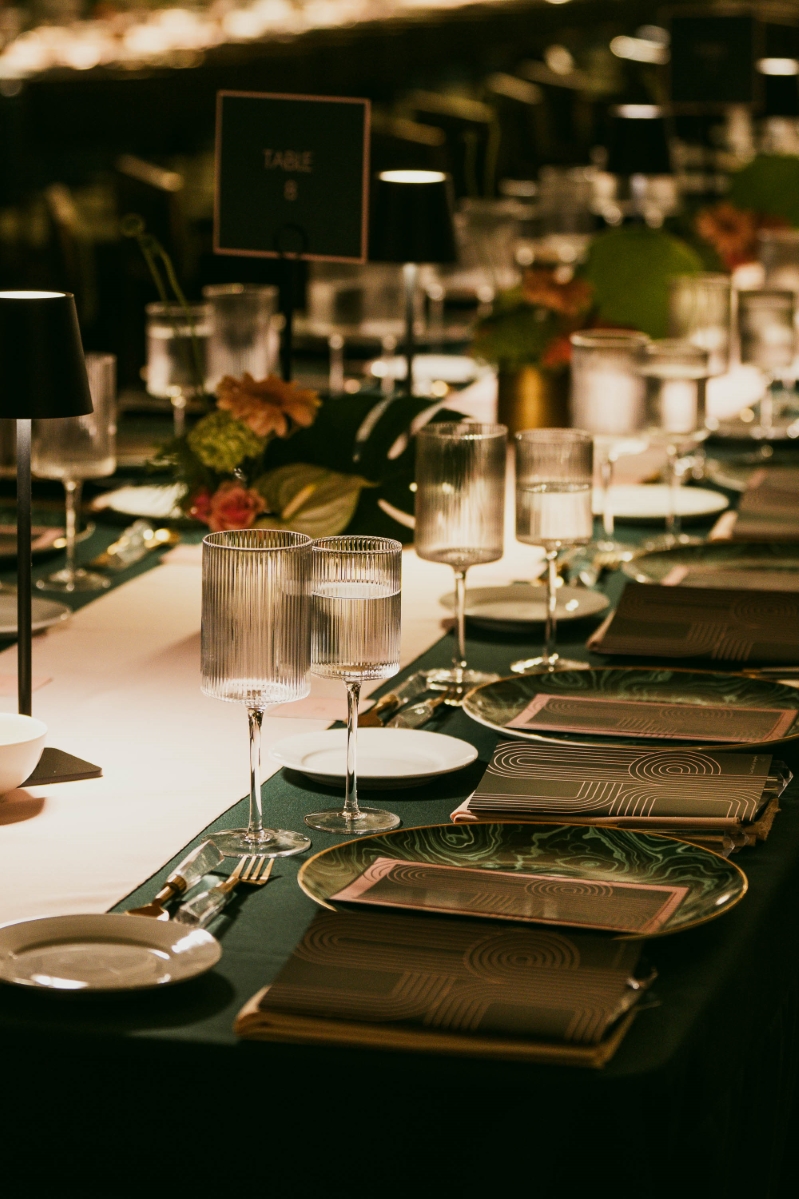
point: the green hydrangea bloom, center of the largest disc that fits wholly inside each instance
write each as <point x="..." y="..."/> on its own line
<point x="222" y="443"/>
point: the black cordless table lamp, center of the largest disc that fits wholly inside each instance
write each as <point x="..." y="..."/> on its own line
<point x="412" y="224"/>
<point x="44" y="378"/>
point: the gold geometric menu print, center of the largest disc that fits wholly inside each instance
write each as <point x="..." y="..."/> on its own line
<point x="621" y="781"/>
<point x="694" y="622"/>
<point x="462" y="976"/>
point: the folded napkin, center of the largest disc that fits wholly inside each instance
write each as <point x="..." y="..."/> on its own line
<point x="437" y="985"/>
<point x="721" y="800"/>
<point x="732" y="625"/>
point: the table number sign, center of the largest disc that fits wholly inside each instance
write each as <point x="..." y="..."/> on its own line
<point x="292" y="176"/>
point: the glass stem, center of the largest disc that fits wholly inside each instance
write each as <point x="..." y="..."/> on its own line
<point x="73" y="489"/>
<point x="673" y="523"/>
<point x="549" y="656"/>
<point x="459" y="657"/>
<point x="606" y="479"/>
<point x="351" y="809"/>
<point x="179" y="414"/>
<point x="255" y="826"/>
<point x="767" y="407"/>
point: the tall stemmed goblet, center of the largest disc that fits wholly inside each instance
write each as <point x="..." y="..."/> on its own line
<point x="767" y="340"/>
<point x="607" y="399"/>
<point x="74" y="449"/>
<point x="256" y="649"/>
<point x="554" y="476"/>
<point x="460" y="515"/>
<point x="676" y="374"/>
<point x="177" y="342"/>
<point x="355" y="636"/>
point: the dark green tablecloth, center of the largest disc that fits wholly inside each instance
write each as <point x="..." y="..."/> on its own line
<point x="143" y="1094"/>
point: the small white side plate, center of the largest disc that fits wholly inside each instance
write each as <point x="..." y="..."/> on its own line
<point x="650" y="501"/>
<point x="45" y="613"/>
<point x="386" y="757"/>
<point x="505" y="608"/>
<point x="103" y="952"/>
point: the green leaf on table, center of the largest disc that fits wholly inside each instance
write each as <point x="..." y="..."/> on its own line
<point x="309" y="499"/>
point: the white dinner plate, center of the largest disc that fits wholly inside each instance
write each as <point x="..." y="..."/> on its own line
<point x="386" y="757"/>
<point x="148" y="501"/>
<point x="103" y="952"/>
<point x="45" y="613"/>
<point x="506" y="608"/>
<point x="646" y="502"/>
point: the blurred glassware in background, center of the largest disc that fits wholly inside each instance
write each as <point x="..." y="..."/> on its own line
<point x="767" y="340"/>
<point x="778" y="252"/>
<point x="177" y="341"/>
<point x="487" y="232"/>
<point x="676" y="374"/>
<point x="607" y="399"/>
<point x="72" y="450"/>
<point x="700" y="311"/>
<point x="242" y="335"/>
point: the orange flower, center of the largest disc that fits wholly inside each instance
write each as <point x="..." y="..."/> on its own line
<point x="557" y="354"/>
<point x="230" y="507"/>
<point x="732" y="232"/>
<point x="267" y="405"/>
<point x="570" y="298"/>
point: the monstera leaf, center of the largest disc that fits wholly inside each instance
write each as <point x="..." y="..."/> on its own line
<point x="309" y="499"/>
<point x="630" y="269"/>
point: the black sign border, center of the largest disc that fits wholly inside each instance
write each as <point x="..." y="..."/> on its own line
<point x="367" y="107"/>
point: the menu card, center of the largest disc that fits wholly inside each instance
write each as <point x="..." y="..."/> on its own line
<point x="769" y="508"/>
<point x="509" y="895"/>
<point x="703" y="622"/>
<point x="401" y="980"/>
<point x="621" y="782"/>
<point x="649" y="719"/>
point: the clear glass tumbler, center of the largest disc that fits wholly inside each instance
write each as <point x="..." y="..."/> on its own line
<point x="256" y="607"/>
<point x="676" y="374"/>
<point x="554" y="479"/>
<point x="177" y="339"/>
<point x="73" y="449"/>
<point x="700" y="312"/>
<point x="778" y="251"/>
<point x="242" y="336"/>
<point x="767" y="338"/>
<point x="607" y="399"/>
<point x="355" y="636"/>
<point x="460" y="515"/>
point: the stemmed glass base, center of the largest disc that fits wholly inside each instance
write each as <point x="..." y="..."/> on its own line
<point x="547" y="665"/>
<point x="368" y="820"/>
<point x="73" y="580"/>
<point x="269" y="842"/>
<point x="671" y="541"/>
<point x="452" y="677"/>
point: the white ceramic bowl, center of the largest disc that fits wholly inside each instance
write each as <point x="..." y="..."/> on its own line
<point x="21" y="744"/>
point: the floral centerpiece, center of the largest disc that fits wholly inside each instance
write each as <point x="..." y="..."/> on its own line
<point x="527" y="336"/>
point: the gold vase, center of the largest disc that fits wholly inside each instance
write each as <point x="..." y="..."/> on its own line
<point x="530" y="398"/>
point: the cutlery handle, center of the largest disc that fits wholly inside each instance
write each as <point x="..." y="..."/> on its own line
<point x="376" y="716"/>
<point x="200" y="861"/>
<point x="200" y="911"/>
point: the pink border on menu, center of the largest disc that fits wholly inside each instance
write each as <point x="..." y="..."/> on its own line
<point x="367" y="104"/>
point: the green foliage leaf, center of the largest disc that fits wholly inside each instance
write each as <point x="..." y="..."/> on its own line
<point x="630" y="269"/>
<point x="309" y="499"/>
<point x="516" y="333"/>
<point x="770" y="185"/>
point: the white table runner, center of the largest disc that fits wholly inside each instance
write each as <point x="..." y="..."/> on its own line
<point x="125" y="693"/>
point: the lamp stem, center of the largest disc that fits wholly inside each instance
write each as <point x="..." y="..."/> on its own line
<point x="24" y="584"/>
<point x="410" y="276"/>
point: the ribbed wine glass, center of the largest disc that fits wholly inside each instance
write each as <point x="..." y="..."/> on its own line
<point x="554" y="474"/>
<point x="355" y="636"/>
<point x="256" y="649"/>
<point x="460" y="515"/>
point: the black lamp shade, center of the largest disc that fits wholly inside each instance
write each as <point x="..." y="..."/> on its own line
<point x="413" y="218"/>
<point x="638" y="144"/>
<point x="41" y="357"/>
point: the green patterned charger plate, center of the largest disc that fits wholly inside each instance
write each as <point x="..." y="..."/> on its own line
<point x="495" y="704"/>
<point x="763" y="565"/>
<point x="603" y="855"/>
